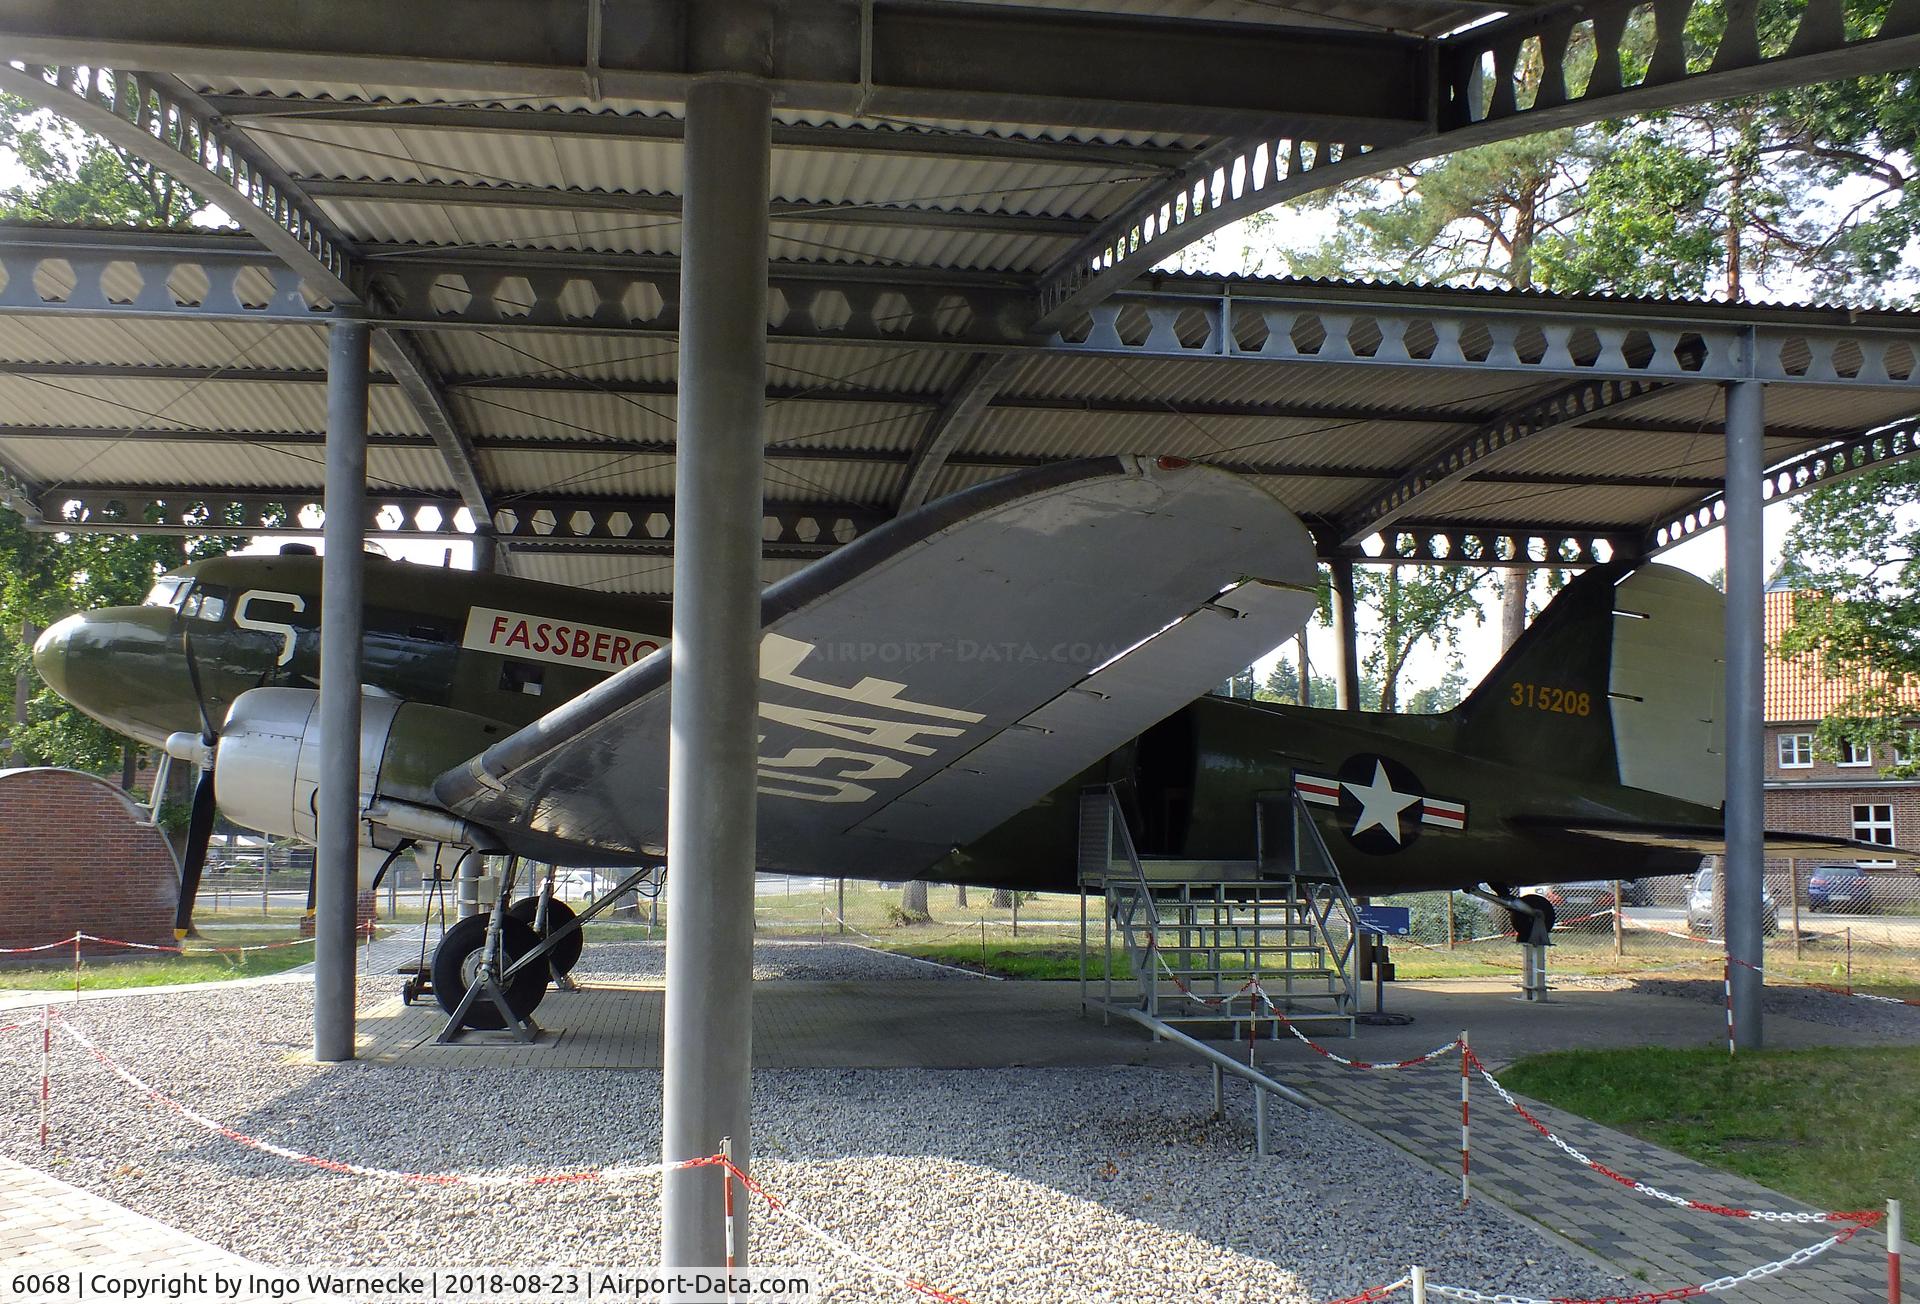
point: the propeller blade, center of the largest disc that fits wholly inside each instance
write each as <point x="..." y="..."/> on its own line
<point x="207" y="733"/>
<point x="199" y="834"/>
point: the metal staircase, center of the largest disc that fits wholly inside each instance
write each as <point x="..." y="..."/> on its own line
<point x="1196" y="932"/>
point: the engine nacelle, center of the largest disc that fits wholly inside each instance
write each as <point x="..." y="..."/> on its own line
<point x="266" y="770"/>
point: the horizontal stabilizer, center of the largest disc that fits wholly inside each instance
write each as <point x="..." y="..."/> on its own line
<point x="1711" y="840"/>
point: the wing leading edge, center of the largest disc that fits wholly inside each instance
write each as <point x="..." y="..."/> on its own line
<point x="928" y="681"/>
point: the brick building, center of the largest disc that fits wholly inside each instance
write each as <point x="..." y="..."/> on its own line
<point x="1847" y="796"/>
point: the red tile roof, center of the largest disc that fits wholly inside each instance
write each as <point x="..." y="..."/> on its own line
<point x="1801" y="691"/>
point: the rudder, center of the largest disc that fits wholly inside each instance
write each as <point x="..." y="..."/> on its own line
<point x="1620" y="680"/>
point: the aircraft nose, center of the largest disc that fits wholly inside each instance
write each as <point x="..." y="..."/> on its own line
<point x="50" y="653"/>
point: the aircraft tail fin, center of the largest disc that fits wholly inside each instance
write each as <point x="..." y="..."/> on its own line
<point x="1620" y="680"/>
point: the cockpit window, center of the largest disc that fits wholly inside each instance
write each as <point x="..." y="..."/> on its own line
<point x="205" y="604"/>
<point x="167" y="592"/>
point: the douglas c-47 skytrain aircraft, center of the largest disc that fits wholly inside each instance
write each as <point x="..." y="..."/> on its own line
<point x="934" y="697"/>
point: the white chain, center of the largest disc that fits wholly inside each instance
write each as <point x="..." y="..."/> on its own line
<point x="1718" y="1284"/>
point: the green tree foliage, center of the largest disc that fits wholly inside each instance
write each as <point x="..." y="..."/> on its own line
<point x="1801" y="189"/>
<point x="69" y="176"/>
<point x="1443" y="696"/>
<point x="1854" y="553"/>
<point x="1283" y="685"/>
<point x="1416" y="606"/>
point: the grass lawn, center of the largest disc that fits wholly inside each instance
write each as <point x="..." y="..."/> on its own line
<point x="1838" y="1128"/>
<point x="201" y="964"/>
<point x="1040" y="958"/>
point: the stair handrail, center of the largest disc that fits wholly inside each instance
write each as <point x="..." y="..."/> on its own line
<point x="1305" y="830"/>
<point x="1144" y="958"/>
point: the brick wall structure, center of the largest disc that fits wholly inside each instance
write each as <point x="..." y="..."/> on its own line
<point x="76" y="855"/>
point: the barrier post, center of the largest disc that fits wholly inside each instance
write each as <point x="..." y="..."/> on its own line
<point x="46" y="1079"/>
<point x="1619" y="925"/>
<point x="1893" y="1252"/>
<point x="1417" y="1278"/>
<point x="76" y="965"/>
<point x="726" y="1176"/>
<point x="1466" y="1147"/>
<point x="1726" y="980"/>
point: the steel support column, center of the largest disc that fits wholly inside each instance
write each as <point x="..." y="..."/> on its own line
<point x="716" y="629"/>
<point x="337" y="862"/>
<point x="1745" y="639"/>
<point x="1346" y="629"/>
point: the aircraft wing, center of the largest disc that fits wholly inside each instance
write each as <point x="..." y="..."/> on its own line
<point x="925" y="683"/>
<point x="1711" y="840"/>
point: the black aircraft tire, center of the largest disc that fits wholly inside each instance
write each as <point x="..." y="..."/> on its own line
<point x="559" y="914"/>
<point x="461" y="946"/>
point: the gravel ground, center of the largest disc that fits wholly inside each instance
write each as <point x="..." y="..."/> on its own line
<point x="793" y="961"/>
<point x="1008" y="1185"/>
<point x="1830" y="1008"/>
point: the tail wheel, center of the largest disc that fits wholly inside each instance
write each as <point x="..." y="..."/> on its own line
<point x="456" y="967"/>
<point x="559" y="914"/>
<point x="1542" y="908"/>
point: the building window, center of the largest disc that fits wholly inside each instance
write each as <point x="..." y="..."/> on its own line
<point x="1796" y="751"/>
<point x="1873" y="823"/>
<point x="1903" y="750"/>
<point x="1852" y="755"/>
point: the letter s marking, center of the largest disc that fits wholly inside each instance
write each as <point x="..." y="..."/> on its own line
<point x="244" y="620"/>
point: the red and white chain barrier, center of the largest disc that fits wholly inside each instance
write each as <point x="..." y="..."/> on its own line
<point x="1367" y="1065"/>
<point x="778" y="1206"/>
<point x="79" y="938"/>
<point x="615" y="1174"/>
<point x="1422" y="1288"/>
<point x="1818" y="987"/>
<point x="1859" y="1217"/>
<point x="607" y="1175"/>
<point x="1797" y="1259"/>
<point x="1373" y="1293"/>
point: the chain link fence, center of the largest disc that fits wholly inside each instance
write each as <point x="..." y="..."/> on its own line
<point x="1823" y="921"/>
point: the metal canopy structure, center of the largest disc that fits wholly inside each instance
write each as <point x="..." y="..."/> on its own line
<point x="479" y="209"/>
<point x="966" y="202"/>
<point x="176" y="382"/>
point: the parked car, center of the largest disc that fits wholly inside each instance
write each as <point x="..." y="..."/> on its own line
<point x="1841" y="886"/>
<point x="1703" y="920"/>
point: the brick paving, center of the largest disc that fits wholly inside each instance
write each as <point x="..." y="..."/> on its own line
<point x="46" y="1223"/>
<point x="1656" y="1245"/>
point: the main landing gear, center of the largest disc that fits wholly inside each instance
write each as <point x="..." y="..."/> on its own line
<point x="490" y="970"/>
<point x="1533" y="918"/>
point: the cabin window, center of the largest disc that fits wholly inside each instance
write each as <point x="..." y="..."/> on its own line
<point x="1873" y="823"/>
<point x="1796" y="751"/>
<point x="523" y="677"/>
